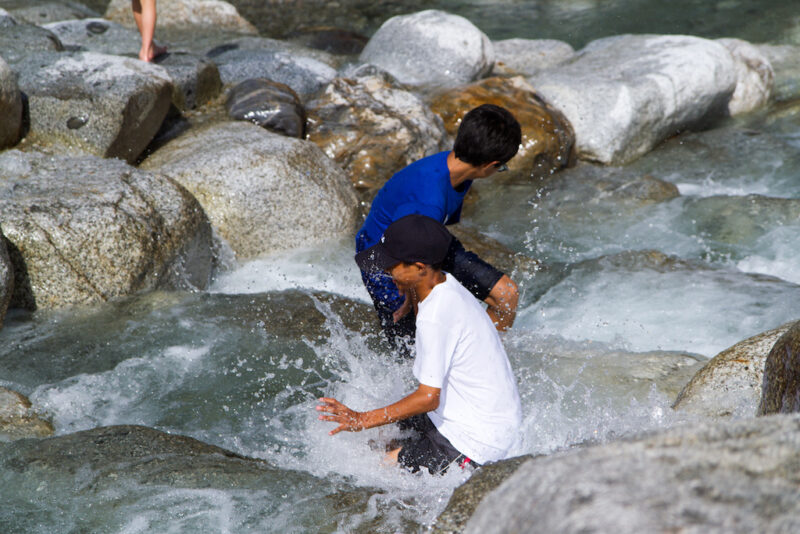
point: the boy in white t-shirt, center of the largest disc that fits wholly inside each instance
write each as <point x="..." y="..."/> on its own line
<point x="466" y="408"/>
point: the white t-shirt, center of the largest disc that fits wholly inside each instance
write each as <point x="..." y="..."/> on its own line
<point x="459" y="351"/>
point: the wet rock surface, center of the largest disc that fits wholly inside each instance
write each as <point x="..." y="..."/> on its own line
<point x="10" y="107"/>
<point x="271" y="105"/>
<point x="18" y="419"/>
<point x="785" y="63"/>
<point x="730" y="383"/>
<point x="195" y="79"/>
<point x="547" y="138"/>
<point x="781" y="386"/>
<point x="97" y="35"/>
<point x="528" y="56"/>
<point x="105" y="105"/>
<point x="430" y="47"/>
<point x="262" y="191"/>
<point x="372" y="128"/>
<point x="329" y="39"/>
<point x="729" y="476"/>
<point x="6" y="278"/>
<point x="18" y="40"/>
<point x="624" y="94"/>
<point x="78" y="237"/>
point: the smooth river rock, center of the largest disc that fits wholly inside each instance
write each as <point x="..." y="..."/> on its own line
<point x="83" y="230"/>
<point x="97" y="35"/>
<point x="6" y="278"/>
<point x="105" y="105"/>
<point x="785" y="62"/>
<point x="262" y="191"/>
<point x="18" y="39"/>
<point x="271" y="105"/>
<point x="10" y="107"/>
<point x="529" y="56"/>
<point x="754" y="77"/>
<point x="730" y="383"/>
<point x="372" y="128"/>
<point x="780" y="391"/>
<point x="430" y="47"/>
<point x="625" y="94"/>
<point x="731" y="476"/>
<point x="186" y="14"/>
<point x="44" y="11"/>
<point x="19" y="420"/>
<point x="547" y="137"/>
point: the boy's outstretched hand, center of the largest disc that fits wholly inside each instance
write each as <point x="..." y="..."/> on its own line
<point x="348" y="419"/>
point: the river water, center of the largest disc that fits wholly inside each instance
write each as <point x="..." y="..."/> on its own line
<point x="630" y="299"/>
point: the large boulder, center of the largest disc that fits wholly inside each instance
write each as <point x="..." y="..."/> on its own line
<point x="96" y="35"/>
<point x="780" y="391"/>
<point x="17" y="40"/>
<point x="625" y="94"/>
<point x="45" y="11"/>
<point x="430" y="47"/>
<point x="372" y="128"/>
<point x="106" y="105"/>
<point x="547" y="137"/>
<point x="19" y="420"/>
<point x="262" y="191"/>
<point x="754" y="77"/>
<point x="733" y="476"/>
<point x="529" y="56"/>
<point x="6" y="278"/>
<point x="187" y="14"/>
<point x="730" y="383"/>
<point x="85" y="229"/>
<point x="10" y="107"/>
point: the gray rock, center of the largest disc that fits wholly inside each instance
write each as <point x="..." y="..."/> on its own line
<point x="625" y="94"/>
<point x="17" y="40"/>
<point x="528" y="56"/>
<point x="82" y="230"/>
<point x="781" y="386"/>
<point x="271" y="105"/>
<point x="733" y="476"/>
<point x="430" y="47"/>
<point x="332" y="40"/>
<point x="372" y="128"/>
<point x="6" y="278"/>
<point x="730" y="383"/>
<point x="19" y="420"/>
<point x="785" y="62"/>
<point x="754" y="76"/>
<point x="186" y="14"/>
<point x="262" y="191"/>
<point x="290" y="65"/>
<point x="10" y="107"/>
<point x="97" y="35"/>
<point x="195" y="79"/>
<point x="106" y="105"/>
<point x="41" y="12"/>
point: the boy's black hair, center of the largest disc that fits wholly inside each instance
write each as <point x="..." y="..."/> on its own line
<point x="487" y="133"/>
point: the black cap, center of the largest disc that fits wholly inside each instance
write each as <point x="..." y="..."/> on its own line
<point x="413" y="238"/>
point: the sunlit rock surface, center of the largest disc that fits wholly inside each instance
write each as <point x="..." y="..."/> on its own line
<point x="430" y="47"/>
<point x="271" y="105"/>
<point x="96" y="35"/>
<point x="83" y="230"/>
<point x="729" y="477"/>
<point x="730" y="383"/>
<point x="194" y="14"/>
<point x="106" y="105"/>
<point x="781" y="385"/>
<point x="6" y="278"/>
<point x="754" y="74"/>
<point x="547" y="138"/>
<point x="624" y="94"/>
<point x="18" y="419"/>
<point x="529" y="56"/>
<point x="10" y="107"/>
<point x="262" y="191"/>
<point x="372" y="128"/>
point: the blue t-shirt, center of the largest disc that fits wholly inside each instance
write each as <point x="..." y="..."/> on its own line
<point x="423" y="187"/>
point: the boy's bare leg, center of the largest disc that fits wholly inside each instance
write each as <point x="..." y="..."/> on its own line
<point x="144" y="13"/>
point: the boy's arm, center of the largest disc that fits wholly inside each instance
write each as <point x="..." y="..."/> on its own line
<point x="502" y="301"/>
<point x="424" y="399"/>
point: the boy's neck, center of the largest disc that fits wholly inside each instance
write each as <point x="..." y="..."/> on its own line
<point x="460" y="172"/>
<point x="424" y="287"/>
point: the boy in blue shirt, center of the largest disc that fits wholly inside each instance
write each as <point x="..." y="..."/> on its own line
<point x="435" y="186"/>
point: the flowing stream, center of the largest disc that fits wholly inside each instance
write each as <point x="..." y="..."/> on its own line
<point x="630" y="300"/>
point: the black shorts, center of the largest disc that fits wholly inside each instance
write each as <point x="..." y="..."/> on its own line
<point x="428" y="448"/>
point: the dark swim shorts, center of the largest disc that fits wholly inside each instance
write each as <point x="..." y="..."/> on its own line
<point x="428" y="448"/>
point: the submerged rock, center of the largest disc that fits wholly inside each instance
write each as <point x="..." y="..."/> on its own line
<point x="430" y="47"/>
<point x="6" y="278"/>
<point x="731" y="476"/>
<point x="18" y="419"/>
<point x="624" y="94"/>
<point x="106" y="105"/>
<point x="372" y="128"/>
<point x="96" y="35"/>
<point x="262" y="191"/>
<point x="785" y="63"/>
<point x="85" y="229"/>
<point x="754" y="76"/>
<point x="529" y="56"/>
<point x="186" y="14"/>
<point x="547" y="138"/>
<point x="271" y="105"/>
<point x="781" y="386"/>
<point x="10" y="107"/>
<point x="730" y="383"/>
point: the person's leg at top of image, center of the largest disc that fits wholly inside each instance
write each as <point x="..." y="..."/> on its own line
<point x="144" y="13"/>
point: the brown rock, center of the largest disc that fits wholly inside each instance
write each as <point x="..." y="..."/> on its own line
<point x="17" y="418"/>
<point x="547" y="137"/>
<point x="780" y="392"/>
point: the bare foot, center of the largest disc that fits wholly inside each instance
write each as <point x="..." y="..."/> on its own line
<point x="153" y="52"/>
